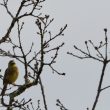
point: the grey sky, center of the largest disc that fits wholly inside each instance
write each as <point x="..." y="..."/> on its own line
<point x="86" y="20"/>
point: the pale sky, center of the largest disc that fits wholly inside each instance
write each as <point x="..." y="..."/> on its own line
<point x="86" y="20"/>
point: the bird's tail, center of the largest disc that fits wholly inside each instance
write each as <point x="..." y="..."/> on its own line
<point x="4" y="89"/>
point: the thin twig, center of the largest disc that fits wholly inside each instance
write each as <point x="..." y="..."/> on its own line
<point x="43" y="94"/>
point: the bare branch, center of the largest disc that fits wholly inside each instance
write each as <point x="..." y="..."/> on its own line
<point x="43" y="93"/>
<point x="59" y="104"/>
<point x="105" y="88"/>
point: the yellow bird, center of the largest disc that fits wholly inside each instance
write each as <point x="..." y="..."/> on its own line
<point x="11" y="75"/>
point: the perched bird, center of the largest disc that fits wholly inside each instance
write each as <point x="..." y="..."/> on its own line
<point x="11" y="75"/>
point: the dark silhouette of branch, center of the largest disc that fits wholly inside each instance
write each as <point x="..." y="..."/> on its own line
<point x="60" y="105"/>
<point x="37" y="57"/>
<point x="22" y="51"/>
<point x="43" y="93"/>
<point x="18" y="16"/>
<point x="38" y="108"/>
<point x="100" y="85"/>
<point x="105" y="88"/>
<point x="99" y="57"/>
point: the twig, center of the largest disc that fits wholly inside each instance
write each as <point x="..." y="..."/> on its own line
<point x="43" y="93"/>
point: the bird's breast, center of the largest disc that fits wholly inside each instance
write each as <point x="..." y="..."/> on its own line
<point x="12" y="75"/>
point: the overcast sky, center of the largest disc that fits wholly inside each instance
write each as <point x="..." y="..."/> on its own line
<point x="86" y="20"/>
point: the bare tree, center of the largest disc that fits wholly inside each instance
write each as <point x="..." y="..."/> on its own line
<point x="100" y="57"/>
<point x="18" y="52"/>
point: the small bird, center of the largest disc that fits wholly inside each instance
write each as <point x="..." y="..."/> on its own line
<point x="11" y="75"/>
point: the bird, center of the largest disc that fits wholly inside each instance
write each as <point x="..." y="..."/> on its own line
<point x="10" y="76"/>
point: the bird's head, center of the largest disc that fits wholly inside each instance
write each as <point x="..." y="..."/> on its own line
<point x="11" y="63"/>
